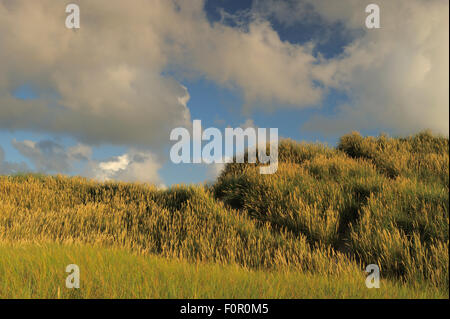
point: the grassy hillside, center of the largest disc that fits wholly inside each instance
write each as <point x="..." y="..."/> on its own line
<point x="38" y="272"/>
<point x="327" y="212"/>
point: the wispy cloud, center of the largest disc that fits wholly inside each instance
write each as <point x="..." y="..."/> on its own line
<point x="49" y="156"/>
<point x="9" y="168"/>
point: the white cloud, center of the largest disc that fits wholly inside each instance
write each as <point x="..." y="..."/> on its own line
<point x="266" y="69"/>
<point x="50" y="157"/>
<point x="397" y="76"/>
<point x="104" y="85"/>
<point x="103" y="82"/>
<point x="115" y="165"/>
<point x="106" y="82"/>
<point x="130" y="167"/>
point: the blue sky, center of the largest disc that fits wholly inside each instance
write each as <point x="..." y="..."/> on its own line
<point x="225" y="104"/>
<point x="220" y="107"/>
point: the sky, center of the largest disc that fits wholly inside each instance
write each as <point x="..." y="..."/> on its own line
<point x="101" y="101"/>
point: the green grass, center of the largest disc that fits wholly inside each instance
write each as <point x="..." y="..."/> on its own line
<point x="382" y="200"/>
<point x="38" y="271"/>
<point x="326" y="214"/>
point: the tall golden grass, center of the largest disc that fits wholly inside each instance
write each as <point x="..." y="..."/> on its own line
<point x="381" y="200"/>
<point x="326" y="211"/>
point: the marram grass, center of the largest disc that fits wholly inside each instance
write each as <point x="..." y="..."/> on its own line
<point x="326" y="213"/>
<point x="38" y="271"/>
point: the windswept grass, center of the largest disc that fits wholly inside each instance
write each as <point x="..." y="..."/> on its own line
<point x="183" y="222"/>
<point x="383" y="200"/>
<point x="326" y="212"/>
<point x="38" y="271"/>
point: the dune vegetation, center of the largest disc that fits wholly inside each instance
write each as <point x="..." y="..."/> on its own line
<point x="37" y="271"/>
<point x="326" y="214"/>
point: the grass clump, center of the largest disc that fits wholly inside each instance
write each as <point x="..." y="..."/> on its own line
<point x="382" y="200"/>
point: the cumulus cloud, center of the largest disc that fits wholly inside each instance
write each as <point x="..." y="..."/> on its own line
<point x="396" y="77"/>
<point x="101" y="83"/>
<point x="130" y="167"/>
<point x="106" y="82"/>
<point x="267" y="70"/>
<point x="109" y="81"/>
<point x="48" y="156"/>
